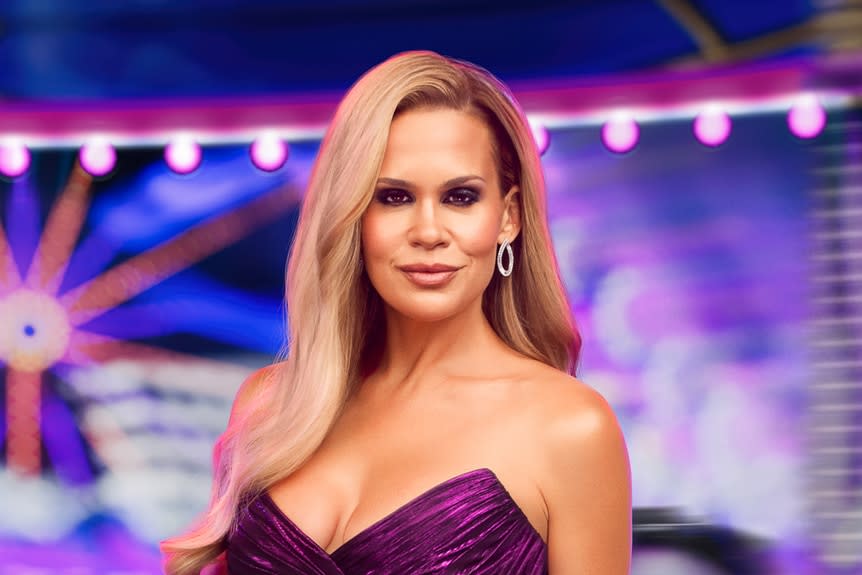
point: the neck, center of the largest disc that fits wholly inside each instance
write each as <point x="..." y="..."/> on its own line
<point x="418" y="354"/>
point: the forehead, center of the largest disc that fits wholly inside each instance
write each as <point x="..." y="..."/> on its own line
<point x="438" y="139"/>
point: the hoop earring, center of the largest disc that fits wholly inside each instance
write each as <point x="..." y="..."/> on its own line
<point x="507" y="271"/>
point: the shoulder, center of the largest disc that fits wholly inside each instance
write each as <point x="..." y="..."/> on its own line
<point x="563" y="411"/>
<point x="574" y="415"/>
<point x="582" y="470"/>
<point x="254" y="389"/>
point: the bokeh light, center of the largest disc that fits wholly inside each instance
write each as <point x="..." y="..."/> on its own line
<point x="712" y="127"/>
<point x="806" y="118"/>
<point x="35" y="331"/>
<point x="183" y="155"/>
<point x="98" y="157"/>
<point x="620" y="134"/>
<point x="540" y="135"/>
<point x="268" y="152"/>
<point x="14" y="159"/>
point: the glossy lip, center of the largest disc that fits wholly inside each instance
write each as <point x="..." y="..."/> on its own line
<point x="427" y="268"/>
<point x="435" y="275"/>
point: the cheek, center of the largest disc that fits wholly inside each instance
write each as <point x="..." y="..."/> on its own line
<point x="374" y="236"/>
<point x="480" y="239"/>
<point x="383" y="241"/>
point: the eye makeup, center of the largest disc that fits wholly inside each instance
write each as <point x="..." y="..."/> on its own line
<point x="458" y="191"/>
<point x="462" y="196"/>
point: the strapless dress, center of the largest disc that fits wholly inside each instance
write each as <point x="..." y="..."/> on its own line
<point x="466" y="525"/>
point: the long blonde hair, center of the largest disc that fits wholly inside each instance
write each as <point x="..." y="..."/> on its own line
<point x="335" y="315"/>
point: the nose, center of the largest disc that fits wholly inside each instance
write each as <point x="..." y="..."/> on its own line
<point x="426" y="229"/>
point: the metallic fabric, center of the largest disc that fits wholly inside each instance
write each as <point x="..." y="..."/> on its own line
<point x="466" y="525"/>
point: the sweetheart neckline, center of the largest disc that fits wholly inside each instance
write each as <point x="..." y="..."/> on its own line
<point x="401" y="509"/>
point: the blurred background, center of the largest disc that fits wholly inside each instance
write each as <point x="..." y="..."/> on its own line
<point x="704" y="169"/>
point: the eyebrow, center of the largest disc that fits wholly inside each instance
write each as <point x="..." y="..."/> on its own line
<point x="447" y="184"/>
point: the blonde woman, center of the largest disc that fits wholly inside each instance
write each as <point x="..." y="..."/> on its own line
<point x="424" y="419"/>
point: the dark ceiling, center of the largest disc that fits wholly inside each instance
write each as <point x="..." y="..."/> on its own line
<point x="97" y="49"/>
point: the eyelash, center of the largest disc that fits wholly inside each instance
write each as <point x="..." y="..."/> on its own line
<point x="469" y="196"/>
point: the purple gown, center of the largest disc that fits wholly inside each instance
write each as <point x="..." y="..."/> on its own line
<point x="467" y="524"/>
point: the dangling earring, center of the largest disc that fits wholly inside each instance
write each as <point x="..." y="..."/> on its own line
<point x="505" y="272"/>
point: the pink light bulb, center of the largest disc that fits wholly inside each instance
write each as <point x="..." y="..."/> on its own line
<point x="98" y="157"/>
<point x="541" y="136"/>
<point x="268" y="152"/>
<point x="183" y="155"/>
<point x="14" y="159"/>
<point x="620" y="134"/>
<point x="712" y="127"/>
<point x="806" y="118"/>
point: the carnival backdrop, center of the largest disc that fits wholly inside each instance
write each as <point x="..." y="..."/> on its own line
<point x="134" y="303"/>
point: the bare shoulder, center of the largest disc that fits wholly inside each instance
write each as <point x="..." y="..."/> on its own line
<point x="582" y="470"/>
<point x="573" y="414"/>
<point x="254" y="388"/>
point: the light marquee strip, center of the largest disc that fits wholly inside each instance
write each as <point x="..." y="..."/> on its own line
<point x="646" y="96"/>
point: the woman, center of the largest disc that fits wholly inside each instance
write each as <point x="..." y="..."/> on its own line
<point x="424" y="419"/>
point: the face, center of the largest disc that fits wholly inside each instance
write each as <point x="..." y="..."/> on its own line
<point x="430" y="234"/>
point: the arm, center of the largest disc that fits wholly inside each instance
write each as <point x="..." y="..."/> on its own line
<point x="250" y="391"/>
<point x="246" y="397"/>
<point x="587" y="485"/>
<point x="242" y="402"/>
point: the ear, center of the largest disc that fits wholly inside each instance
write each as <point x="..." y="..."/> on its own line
<point x="510" y="226"/>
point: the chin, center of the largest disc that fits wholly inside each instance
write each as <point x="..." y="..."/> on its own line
<point x="428" y="310"/>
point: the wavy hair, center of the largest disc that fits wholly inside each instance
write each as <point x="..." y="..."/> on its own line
<point x="335" y="315"/>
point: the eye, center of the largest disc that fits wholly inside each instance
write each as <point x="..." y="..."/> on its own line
<point x="462" y="197"/>
<point x="392" y="197"/>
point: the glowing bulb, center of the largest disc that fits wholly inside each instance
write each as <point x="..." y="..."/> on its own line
<point x="98" y="157"/>
<point x="806" y="118"/>
<point x="14" y="159"/>
<point x="183" y="155"/>
<point x="620" y="134"/>
<point x="268" y="152"/>
<point x="712" y="127"/>
<point x="541" y="135"/>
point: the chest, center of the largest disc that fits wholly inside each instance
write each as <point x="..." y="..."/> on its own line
<point x="467" y="524"/>
<point x="376" y="462"/>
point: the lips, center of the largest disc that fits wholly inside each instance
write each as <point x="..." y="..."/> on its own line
<point x="428" y="268"/>
<point x="429" y="275"/>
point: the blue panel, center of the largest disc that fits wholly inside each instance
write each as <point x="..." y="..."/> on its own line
<point x="262" y="49"/>
<point x="737" y="21"/>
